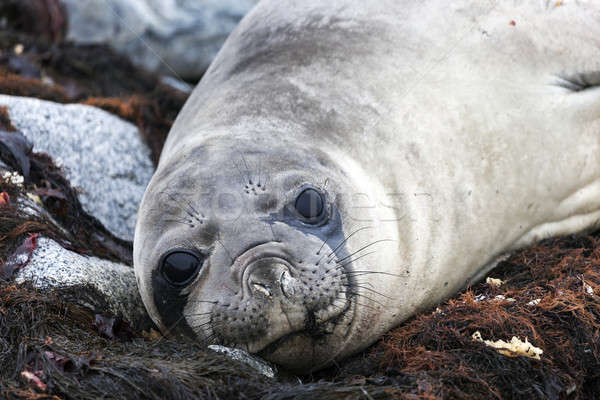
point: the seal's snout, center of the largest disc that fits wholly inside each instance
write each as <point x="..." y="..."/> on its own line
<point x="281" y="294"/>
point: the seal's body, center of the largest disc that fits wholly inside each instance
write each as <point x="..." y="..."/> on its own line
<point x="344" y="164"/>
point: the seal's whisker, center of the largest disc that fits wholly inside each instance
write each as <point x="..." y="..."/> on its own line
<point x="205" y="328"/>
<point x="363" y="248"/>
<point x="205" y="323"/>
<point x="197" y="314"/>
<point x="202" y="317"/>
<point x="365" y="305"/>
<point x="357" y="273"/>
<point x="369" y="307"/>
<point x="363" y="283"/>
<point x="247" y="168"/>
<point x="350" y="292"/>
<point x="202" y="301"/>
<point x="322" y="245"/>
<point x="259" y="171"/>
<point x="183" y="222"/>
<point x="267" y="180"/>
<point x="226" y="250"/>
<point x="273" y="233"/>
<point x="186" y="208"/>
<point x="171" y="307"/>
<point x="356" y="285"/>
<point x="241" y="174"/>
<point x="210" y="322"/>
<point x="170" y="328"/>
<point x="361" y="296"/>
<point x="196" y="214"/>
<point x="374" y="291"/>
<point x="213" y="335"/>
<point x="202" y="325"/>
<point x="210" y="339"/>
<point x="345" y="300"/>
<point x="346" y="239"/>
<point x="354" y="260"/>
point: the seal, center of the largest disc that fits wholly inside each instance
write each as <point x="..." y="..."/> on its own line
<point x="345" y="164"/>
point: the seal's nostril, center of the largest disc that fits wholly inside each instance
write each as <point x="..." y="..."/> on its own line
<point x="261" y="288"/>
<point x="288" y="284"/>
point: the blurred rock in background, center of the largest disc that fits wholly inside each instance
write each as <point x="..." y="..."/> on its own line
<point x="177" y="38"/>
<point x="172" y="37"/>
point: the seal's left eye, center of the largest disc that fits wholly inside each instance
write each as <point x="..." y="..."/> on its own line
<point x="179" y="267"/>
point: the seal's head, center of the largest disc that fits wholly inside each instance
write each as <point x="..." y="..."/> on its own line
<point x="249" y="248"/>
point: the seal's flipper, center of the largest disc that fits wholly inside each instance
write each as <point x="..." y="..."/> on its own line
<point x="580" y="81"/>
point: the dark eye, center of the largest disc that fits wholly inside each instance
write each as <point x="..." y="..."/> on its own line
<point x="309" y="204"/>
<point x="179" y="267"/>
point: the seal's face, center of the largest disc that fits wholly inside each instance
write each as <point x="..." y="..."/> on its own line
<point x="250" y="251"/>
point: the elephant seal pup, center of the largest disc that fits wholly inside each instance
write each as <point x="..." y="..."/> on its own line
<point x="344" y="164"/>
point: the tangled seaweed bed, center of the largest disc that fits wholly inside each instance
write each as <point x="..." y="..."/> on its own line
<point x="50" y="349"/>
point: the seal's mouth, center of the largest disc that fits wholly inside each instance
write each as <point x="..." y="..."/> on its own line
<point x="311" y="321"/>
<point x="282" y="299"/>
<point x="313" y="332"/>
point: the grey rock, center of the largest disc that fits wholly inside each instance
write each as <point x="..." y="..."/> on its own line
<point x="96" y="284"/>
<point x="175" y="37"/>
<point x="101" y="154"/>
<point x="260" y="365"/>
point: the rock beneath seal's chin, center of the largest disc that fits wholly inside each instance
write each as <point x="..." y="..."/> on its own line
<point x="345" y="164"/>
<point x="242" y="356"/>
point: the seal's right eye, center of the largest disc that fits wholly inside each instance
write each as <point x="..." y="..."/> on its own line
<point x="309" y="204"/>
<point x="179" y="267"/>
